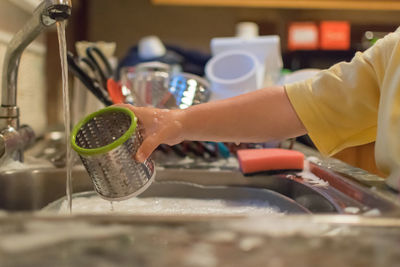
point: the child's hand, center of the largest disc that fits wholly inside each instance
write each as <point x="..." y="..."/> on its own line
<point x="157" y="126"/>
<point x="259" y="116"/>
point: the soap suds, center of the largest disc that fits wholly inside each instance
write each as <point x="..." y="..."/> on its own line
<point x="170" y="206"/>
<point x="310" y="177"/>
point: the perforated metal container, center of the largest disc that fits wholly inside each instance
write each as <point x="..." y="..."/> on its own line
<point x="150" y="85"/>
<point x="106" y="142"/>
<point x="188" y="89"/>
<point x="154" y="84"/>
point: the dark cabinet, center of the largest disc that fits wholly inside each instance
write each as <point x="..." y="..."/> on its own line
<point x="291" y="4"/>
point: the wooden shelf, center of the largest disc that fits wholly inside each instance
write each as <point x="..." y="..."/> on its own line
<point x="290" y="4"/>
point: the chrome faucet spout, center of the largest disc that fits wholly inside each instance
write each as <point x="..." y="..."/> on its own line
<point x="44" y="16"/>
<point x="57" y="9"/>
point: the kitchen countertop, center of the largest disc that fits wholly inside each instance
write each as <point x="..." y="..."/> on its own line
<point x="322" y="240"/>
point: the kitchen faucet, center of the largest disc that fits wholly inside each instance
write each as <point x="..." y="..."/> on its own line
<point x="13" y="137"/>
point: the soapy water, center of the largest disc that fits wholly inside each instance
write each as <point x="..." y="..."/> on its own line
<point x="93" y="204"/>
<point x="169" y="206"/>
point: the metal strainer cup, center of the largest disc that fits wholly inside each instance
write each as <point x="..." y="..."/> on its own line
<point x="106" y="142"/>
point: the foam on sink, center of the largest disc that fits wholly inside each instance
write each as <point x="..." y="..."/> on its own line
<point x="310" y="177"/>
<point x="29" y="163"/>
<point x="170" y="206"/>
<point x="11" y="164"/>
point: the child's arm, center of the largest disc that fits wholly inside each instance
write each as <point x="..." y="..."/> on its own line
<point x="259" y="116"/>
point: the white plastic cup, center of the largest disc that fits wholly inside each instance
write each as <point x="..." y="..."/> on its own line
<point x="232" y="73"/>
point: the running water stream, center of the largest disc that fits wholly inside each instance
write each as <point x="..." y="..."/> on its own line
<point x="67" y="120"/>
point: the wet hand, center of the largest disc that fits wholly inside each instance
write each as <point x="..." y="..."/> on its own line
<point x="157" y="126"/>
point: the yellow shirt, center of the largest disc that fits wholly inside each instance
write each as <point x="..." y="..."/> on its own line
<point x="355" y="103"/>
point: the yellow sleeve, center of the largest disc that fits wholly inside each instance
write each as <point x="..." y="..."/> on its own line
<point x="339" y="106"/>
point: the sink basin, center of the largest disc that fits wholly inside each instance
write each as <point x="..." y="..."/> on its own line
<point x="344" y="189"/>
<point x="181" y="199"/>
<point x="33" y="189"/>
<point x="23" y="190"/>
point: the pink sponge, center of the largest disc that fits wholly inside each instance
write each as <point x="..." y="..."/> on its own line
<point x="268" y="159"/>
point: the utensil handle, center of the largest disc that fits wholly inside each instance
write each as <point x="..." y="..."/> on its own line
<point x="90" y="51"/>
<point x="86" y="80"/>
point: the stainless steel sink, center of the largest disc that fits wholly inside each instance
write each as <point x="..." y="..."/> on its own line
<point x="32" y="189"/>
<point x="348" y="189"/>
